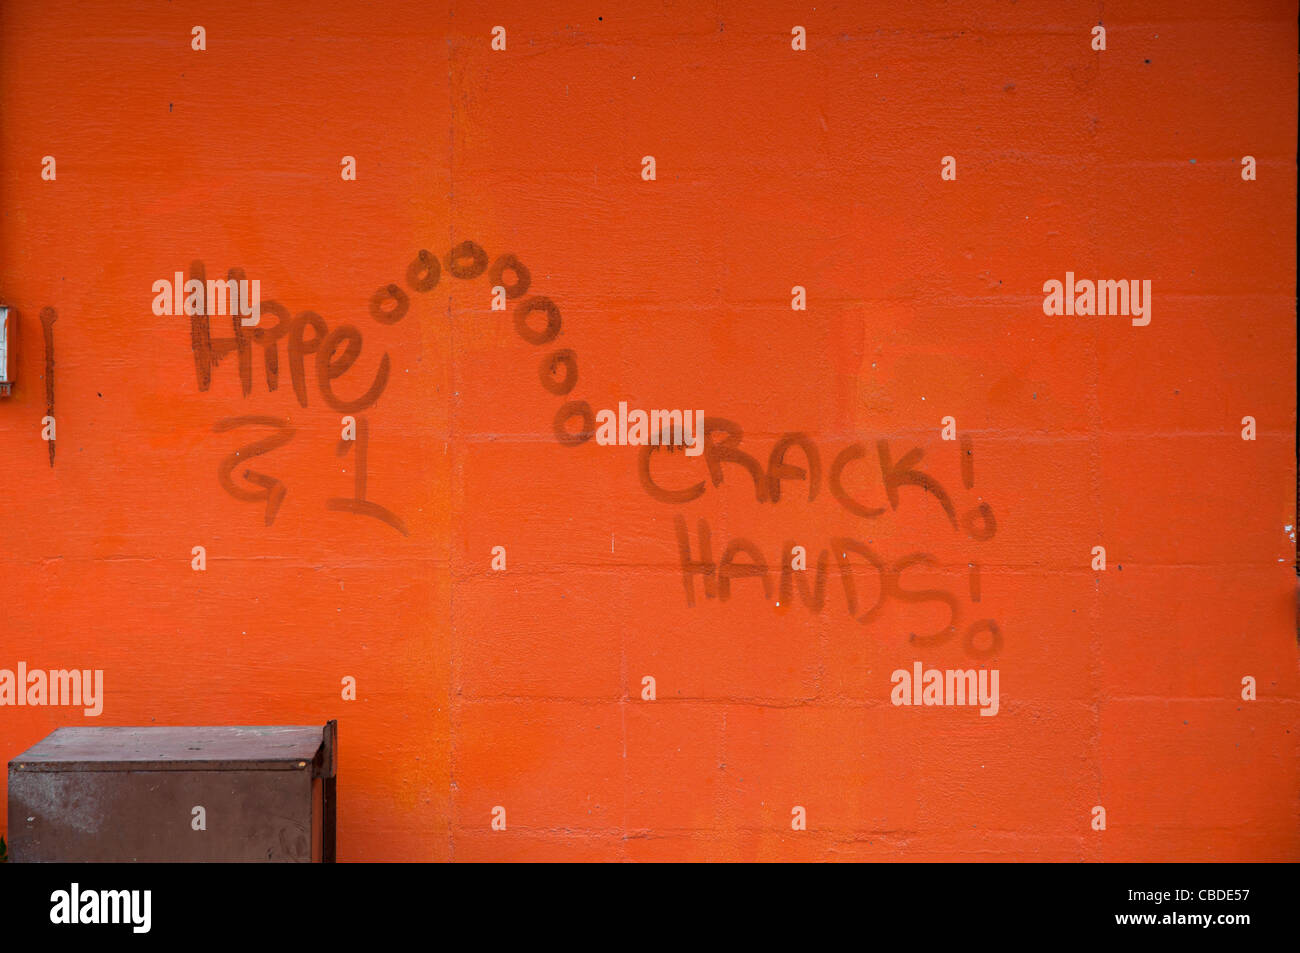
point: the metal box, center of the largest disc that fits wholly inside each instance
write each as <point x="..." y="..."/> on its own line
<point x="8" y="351"/>
<point x="266" y="793"/>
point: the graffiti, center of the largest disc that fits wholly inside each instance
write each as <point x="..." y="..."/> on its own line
<point x="716" y="580"/>
<point x="271" y="490"/>
<point x="48" y="317"/>
<point x="358" y="503"/>
<point x="305" y="334"/>
<point x="895" y="474"/>
<point x="293" y="842"/>
<point x="978" y="523"/>
<point x="723" y="452"/>
<point x="333" y="353"/>
<point x="795" y="457"/>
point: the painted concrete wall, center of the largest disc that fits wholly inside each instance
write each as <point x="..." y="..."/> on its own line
<point x="524" y="688"/>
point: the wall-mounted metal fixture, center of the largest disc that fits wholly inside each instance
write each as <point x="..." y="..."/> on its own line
<point x="8" y="354"/>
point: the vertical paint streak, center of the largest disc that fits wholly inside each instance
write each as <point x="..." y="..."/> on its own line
<point x="48" y="317"/>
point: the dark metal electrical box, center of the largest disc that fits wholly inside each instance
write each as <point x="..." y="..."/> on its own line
<point x="246" y="794"/>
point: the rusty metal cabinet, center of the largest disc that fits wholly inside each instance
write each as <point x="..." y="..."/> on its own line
<point x="243" y="794"/>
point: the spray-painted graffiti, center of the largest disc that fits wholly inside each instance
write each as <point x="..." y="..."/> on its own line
<point x="722" y="446"/>
<point x="309" y="334"/>
<point x="48" y="317"/>
<point x="333" y="353"/>
<point x="978" y="523"/>
<point x="305" y="334"/>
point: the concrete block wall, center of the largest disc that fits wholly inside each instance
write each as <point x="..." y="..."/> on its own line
<point x="505" y="713"/>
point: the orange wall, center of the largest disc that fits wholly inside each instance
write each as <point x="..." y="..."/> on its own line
<point x="775" y="168"/>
